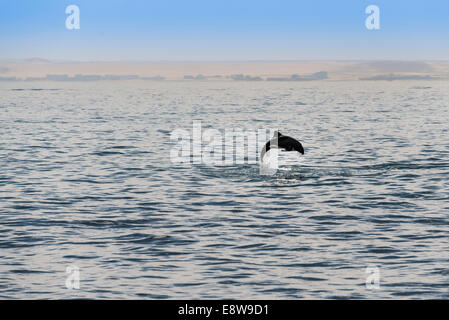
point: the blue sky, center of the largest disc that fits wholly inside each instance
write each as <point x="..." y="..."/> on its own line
<point x="224" y="30"/>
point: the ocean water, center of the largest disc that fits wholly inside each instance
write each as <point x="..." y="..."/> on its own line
<point x="86" y="180"/>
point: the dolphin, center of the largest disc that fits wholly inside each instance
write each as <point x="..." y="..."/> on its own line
<point x="282" y="142"/>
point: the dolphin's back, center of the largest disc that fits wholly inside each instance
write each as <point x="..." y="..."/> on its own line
<point x="284" y="142"/>
<point x="287" y="143"/>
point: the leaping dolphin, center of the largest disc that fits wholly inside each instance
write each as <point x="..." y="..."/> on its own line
<point x="280" y="141"/>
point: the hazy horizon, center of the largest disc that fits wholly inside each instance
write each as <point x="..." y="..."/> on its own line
<point x="44" y="59"/>
<point x="237" y="70"/>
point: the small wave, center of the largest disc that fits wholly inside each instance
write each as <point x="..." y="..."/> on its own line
<point x="34" y="89"/>
<point x="420" y="87"/>
<point x="107" y="153"/>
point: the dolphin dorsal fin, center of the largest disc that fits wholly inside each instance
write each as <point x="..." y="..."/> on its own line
<point x="277" y="134"/>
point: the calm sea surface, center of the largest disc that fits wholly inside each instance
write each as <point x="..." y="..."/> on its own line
<point x="86" y="180"/>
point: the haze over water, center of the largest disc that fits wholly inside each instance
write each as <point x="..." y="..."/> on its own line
<point x="86" y="180"/>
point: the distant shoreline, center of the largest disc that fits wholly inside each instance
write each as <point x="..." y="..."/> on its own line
<point x="44" y="70"/>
